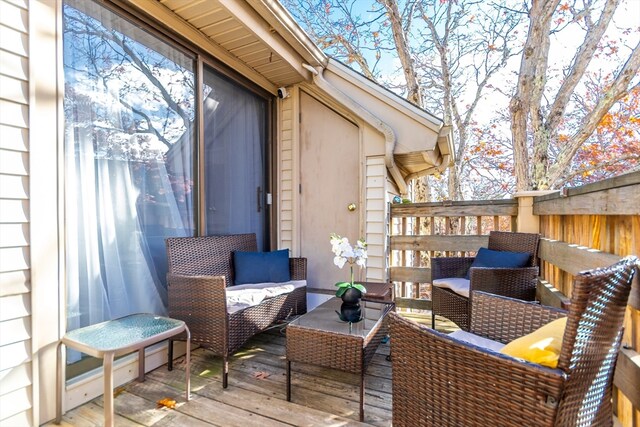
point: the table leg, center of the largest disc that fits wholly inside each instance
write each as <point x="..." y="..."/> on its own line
<point x="362" y="396"/>
<point x="141" y="365"/>
<point x="288" y="381"/>
<point x="108" y="388"/>
<point x="188" y="361"/>
<point x="59" y="382"/>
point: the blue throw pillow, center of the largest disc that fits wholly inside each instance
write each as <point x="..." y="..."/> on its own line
<point x="499" y="259"/>
<point x="261" y="267"/>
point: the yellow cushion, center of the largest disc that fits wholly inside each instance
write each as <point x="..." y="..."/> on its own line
<point x="541" y="346"/>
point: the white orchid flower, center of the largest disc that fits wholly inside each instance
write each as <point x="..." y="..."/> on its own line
<point x="339" y="261"/>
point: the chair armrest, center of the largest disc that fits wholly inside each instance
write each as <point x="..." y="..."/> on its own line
<point x="505" y="319"/>
<point x="200" y="301"/>
<point x="517" y="283"/>
<point x="450" y="267"/>
<point x="298" y="268"/>
<point x="432" y="371"/>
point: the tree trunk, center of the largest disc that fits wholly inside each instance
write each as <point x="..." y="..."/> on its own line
<point x="399" y="37"/>
<point x="529" y="89"/>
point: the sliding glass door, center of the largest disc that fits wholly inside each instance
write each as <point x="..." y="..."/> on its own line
<point x="235" y="140"/>
<point x="131" y="114"/>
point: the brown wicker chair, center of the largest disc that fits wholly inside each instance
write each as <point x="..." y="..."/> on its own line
<point x="439" y="380"/>
<point x="200" y="269"/>
<point x="519" y="283"/>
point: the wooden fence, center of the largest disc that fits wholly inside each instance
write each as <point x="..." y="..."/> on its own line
<point x="582" y="228"/>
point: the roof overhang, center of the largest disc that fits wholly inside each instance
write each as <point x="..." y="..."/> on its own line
<point x="424" y="144"/>
<point x="264" y="43"/>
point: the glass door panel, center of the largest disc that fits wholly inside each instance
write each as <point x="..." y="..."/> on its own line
<point x="129" y="141"/>
<point x="235" y="138"/>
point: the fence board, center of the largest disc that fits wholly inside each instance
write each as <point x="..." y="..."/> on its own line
<point x="418" y="304"/>
<point x="574" y="259"/>
<point x="548" y="295"/>
<point x="457" y="209"/>
<point x="613" y="201"/>
<point x="439" y="243"/>
<point x="410" y="274"/>
<point x="627" y="375"/>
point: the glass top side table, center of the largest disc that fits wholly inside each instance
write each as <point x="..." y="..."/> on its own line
<point x="115" y="338"/>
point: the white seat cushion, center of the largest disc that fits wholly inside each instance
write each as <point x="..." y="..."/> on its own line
<point x="240" y="297"/>
<point x="477" y="340"/>
<point x="459" y="285"/>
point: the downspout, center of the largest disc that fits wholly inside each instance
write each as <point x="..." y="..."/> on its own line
<point x="368" y="117"/>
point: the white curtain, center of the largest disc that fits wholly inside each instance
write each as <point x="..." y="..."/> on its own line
<point x="128" y="165"/>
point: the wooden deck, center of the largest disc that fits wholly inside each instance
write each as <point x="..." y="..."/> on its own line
<point x="256" y="393"/>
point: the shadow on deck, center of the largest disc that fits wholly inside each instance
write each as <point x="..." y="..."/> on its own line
<point x="256" y="393"/>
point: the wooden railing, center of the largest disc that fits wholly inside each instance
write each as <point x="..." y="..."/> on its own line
<point x="421" y="231"/>
<point x="582" y="228"/>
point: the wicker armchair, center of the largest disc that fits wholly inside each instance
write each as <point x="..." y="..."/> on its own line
<point x="519" y="283"/>
<point x="439" y="380"/>
<point x="200" y="269"/>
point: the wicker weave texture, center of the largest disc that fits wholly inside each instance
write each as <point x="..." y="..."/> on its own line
<point x="591" y="343"/>
<point x="504" y="319"/>
<point x="454" y="307"/>
<point x="246" y="323"/>
<point x="517" y="283"/>
<point x="200" y="269"/>
<point x="349" y="353"/>
<point x="440" y="381"/>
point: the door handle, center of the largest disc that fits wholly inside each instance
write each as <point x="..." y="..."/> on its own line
<point x="258" y="195"/>
<point x="351" y="207"/>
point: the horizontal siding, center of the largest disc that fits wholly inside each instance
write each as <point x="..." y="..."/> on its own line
<point x="14" y="355"/>
<point x="13" y="114"/>
<point x="15" y="330"/>
<point x="13" y="163"/>
<point x="15" y="379"/>
<point x="14" y="41"/>
<point x="14" y="403"/>
<point x="12" y="210"/>
<point x="285" y="184"/>
<point x="14" y="15"/>
<point x="375" y="218"/>
<point x="14" y="307"/>
<point x="13" y="138"/>
<point x="14" y="282"/>
<point x="22" y="419"/>
<point x="13" y="89"/>
<point x="15" y="299"/>
<point x="13" y="187"/>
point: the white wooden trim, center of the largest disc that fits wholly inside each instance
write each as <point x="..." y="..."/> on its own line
<point x="45" y="99"/>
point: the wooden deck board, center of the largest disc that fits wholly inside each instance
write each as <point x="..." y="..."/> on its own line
<point x="320" y="396"/>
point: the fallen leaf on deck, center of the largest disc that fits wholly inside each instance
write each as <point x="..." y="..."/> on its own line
<point x="118" y="391"/>
<point x="167" y="403"/>
<point x="260" y="375"/>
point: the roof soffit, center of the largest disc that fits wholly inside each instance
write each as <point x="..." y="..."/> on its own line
<point x="237" y="35"/>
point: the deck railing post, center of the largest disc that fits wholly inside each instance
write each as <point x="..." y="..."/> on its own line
<point x="526" y="221"/>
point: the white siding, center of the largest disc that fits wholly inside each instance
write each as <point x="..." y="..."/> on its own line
<point x="375" y="221"/>
<point x="15" y="300"/>
<point x="285" y="186"/>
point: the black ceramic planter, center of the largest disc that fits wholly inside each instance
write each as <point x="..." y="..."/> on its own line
<point x="351" y="296"/>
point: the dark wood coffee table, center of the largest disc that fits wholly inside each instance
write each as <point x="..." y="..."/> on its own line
<point x="321" y="338"/>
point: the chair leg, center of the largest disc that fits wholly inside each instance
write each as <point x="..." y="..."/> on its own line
<point x="170" y="361"/>
<point x="225" y="372"/>
<point x="433" y="319"/>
